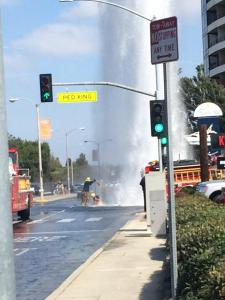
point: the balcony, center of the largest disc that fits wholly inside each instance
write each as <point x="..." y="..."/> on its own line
<point x="212" y="3"/>
<point x="216" y="45"/>
<point x="217" y="71"/>
<point x="217" y="24"/>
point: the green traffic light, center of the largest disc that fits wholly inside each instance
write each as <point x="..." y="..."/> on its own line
<point x="159" y="127"/>
<point x="46" y="95"/>
<point x="164" y="140"/>
<point x="46" y="87"/>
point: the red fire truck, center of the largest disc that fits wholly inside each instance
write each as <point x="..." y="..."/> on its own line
<point x="21" y="194"/>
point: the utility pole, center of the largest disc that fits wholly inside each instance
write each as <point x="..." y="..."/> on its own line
<point x="7" y="268"/>
<point x="67" y="164"/>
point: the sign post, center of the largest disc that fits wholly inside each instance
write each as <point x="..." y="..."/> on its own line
<point x="164" y="49"/>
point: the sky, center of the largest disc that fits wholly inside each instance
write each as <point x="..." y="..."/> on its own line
<point x="47" y="36"/>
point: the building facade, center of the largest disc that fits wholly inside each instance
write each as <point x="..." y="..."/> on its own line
<point x="213" y="29"/>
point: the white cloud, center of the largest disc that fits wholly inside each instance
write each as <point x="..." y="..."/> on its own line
<point x="82" y="11"/>
<point x="15" y="62"/>
<point x="60" y="40"/>
<point x="8" y="2"/>
<point x="187" y="9"/>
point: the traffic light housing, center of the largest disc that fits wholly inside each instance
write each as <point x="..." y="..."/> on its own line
<point x="46" y="87"/>
<point x="158" y="120"/>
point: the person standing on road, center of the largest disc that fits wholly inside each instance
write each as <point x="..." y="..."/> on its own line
<point x="142" y="183"/>
<point x="86" y="191"/>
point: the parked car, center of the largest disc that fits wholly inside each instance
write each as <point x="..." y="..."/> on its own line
<point x="77" y="189"/>
<point x="211" y="189"/>
<point x="35" y="189"/>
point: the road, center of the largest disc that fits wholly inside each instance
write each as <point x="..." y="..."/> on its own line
<point x="60" y="236"/>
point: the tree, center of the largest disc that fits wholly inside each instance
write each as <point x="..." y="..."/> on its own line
<point x="81" y="161"/>
<point x="200" y="89"/>
<point x="28" y="156"/>
<point x="81" y="168"/>
<point x="57" y="171"/>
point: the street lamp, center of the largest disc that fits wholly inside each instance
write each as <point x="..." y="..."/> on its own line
<point x="13" y="100"/>
<point x="112" y="4"/>
<point x="67" y="156"/>
<point x="98" y="150"/>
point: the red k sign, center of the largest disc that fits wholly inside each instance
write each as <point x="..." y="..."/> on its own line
<point x="221" y="140"/>
<point x="218" y="140"/>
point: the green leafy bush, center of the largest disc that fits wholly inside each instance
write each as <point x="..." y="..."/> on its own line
<point x="200" y="248"/>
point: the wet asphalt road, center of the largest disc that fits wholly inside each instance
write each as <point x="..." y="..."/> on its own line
<point x="60" y="236"/>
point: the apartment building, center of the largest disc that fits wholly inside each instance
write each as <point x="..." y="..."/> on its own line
<point x="213" y="28"/>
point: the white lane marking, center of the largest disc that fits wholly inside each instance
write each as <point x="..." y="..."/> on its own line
<point x="16" y="222"/>
<point x="21" y="251"/>
<point x="37" y="221"/>
<point x="41" y="220"/>
<point x="26" y="239"/>
<point x="65" y="220"/>
<point x="93" y="219"/>
<point x="61" y="232"/>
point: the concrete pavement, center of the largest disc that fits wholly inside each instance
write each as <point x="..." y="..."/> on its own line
<point x="127" y="267"/>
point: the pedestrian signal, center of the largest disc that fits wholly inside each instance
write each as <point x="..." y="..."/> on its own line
<point x="46" y="87"/>
<point x="158" y="120"/>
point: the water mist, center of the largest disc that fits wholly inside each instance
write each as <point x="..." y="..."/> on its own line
<point x="121" y="115"/>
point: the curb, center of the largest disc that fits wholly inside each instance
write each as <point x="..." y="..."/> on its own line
<point x="52" y="198"/>
<point x="77" y="272"/>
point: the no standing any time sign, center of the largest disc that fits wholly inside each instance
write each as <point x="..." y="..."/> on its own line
<point x="164" y="42"/>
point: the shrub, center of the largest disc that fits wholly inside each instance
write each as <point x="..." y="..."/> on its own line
<point x="200" y="248"/>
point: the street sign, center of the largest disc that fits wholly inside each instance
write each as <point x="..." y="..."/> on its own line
<point x="71" y="97"/>
<point x="221" y="163"/>
<point x="164" y="41"/>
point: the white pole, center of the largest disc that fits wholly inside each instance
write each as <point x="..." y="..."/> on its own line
<point x="71" y="172"/>
<point x="99" y="164"/>
<point x="157" y="98"/>
<point x="39" y="153"/>
<point x="67" y="164"/>
<point x="7" y="268"/>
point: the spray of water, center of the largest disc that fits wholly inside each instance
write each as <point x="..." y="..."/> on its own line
<point x="124" y="116"/>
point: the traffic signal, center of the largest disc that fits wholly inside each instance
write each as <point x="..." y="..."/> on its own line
<point x="46" y="87"/>
<point x="164" y="141"/>
<point x="158" y="120"/>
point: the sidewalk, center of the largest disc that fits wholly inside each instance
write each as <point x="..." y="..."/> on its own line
<point x="127" y="267"/>
<point x="48" y="198"/>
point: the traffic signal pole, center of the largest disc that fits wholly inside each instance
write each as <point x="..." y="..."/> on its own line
<point x="157" y="98"/>
<point x="104" y="83"/>
<point x="171" y="194"/>
<point x="7" y="268"/>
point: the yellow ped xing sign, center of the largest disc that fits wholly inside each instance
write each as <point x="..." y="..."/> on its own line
<point x="71" y="97"/>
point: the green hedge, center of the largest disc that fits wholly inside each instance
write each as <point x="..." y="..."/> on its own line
<point x="200" y="248"/>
